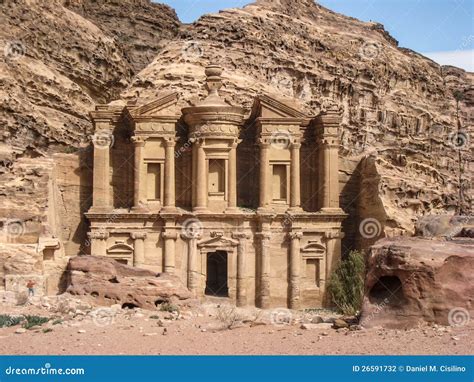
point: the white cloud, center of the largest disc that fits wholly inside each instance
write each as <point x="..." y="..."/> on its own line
<point x="461" y="58"/>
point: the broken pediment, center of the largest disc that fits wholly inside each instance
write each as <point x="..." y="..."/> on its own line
<point x="266" y="106"/>
<point x="165" y="106"/>
<point x="218" y="242"/>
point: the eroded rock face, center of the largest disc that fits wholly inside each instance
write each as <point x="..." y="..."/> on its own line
<point x="109" y="282"/>
<point x="413" y="280"/>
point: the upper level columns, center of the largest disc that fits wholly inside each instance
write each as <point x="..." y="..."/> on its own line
<point x="200" y="179"/>
<point x="328" y="141"/>
<point x="139" y="182"/>
<point x="170" y="202"/>
<point x="232" y="198"/>
<point x="295" y="193"/>
<point x="102" y="140"/>
<point x="264" y="174"/>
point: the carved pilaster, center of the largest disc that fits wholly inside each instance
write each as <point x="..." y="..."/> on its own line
<point x="193" y="276"/>
<point x="139" y="248"/>
<point x="98" y="240"/>
<point x="242" y="237"/>
<point x="295" y="270"/>
<point x="169" y="247"/>
<point x="139" y="182"/>
<point x="170" y="202"/>
<point x="264" y="294"/>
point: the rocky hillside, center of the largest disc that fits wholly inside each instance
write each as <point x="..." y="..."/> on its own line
<point x="400" y="138"/>
<point x="400" y="133"/>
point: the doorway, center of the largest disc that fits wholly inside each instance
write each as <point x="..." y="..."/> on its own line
<point x="216" y="278"/>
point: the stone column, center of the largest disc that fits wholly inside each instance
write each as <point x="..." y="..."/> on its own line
<point x="169" y="248"/>
<point x="329" y="160"/>
<point x="98" y="242"/>
<point x="232" y="203"/>
<point x="333" y="257"/>
<point x="264" y="174"/>
<point x="138" y="248"/>
<point x="295" y="192"/>
<point x="139" y="180"/>
<point x="102" y="140"/>
<point x="200" y="179"/>
<point x="264" y="294"/>
<point x="295" y="269"/>
<point x="193" y="277"/>
<point x="241" y="299"/>
<point x="170" y="203"/>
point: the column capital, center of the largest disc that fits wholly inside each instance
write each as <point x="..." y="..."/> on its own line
<point x="264" y="236"/>
<point x="169" y="235"/>
<point x="139" y="140"/>
<point x="333" y="235"/>
<point x="264" y="142"/>
<point x="296" y="145"/>
<point x="102" y="139"/>
<point x="100" y="235"/>
<point x="139" y="235"/>
<point x="170" y="141"/>
<point x="240" y="235"/>
<point x="295" y="235"/>
<point x="189" y="237"/>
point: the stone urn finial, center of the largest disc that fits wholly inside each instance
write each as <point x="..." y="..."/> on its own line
<point x="213" y="79"/>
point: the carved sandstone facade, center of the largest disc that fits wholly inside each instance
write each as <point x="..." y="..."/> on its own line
<point x="236" y="206"/>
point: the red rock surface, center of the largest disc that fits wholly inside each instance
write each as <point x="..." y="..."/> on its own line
<point x="411" y="280"/>
<point x="110" y="282"/>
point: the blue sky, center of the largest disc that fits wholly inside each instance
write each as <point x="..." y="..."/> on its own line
<point x="441" y="29"/>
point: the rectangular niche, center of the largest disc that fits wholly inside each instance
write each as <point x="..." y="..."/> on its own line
<point x="279" y="183"/>
<point x="217" y="177"/>
<point x="313" y="272"/>
<point x="153" y="181"/>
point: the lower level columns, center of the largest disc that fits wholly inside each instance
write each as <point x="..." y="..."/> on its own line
<point x="169" y="247"/>
<point x="193" y="275"/>
<point x="295" y="270"/>
<point x="98" y="242"/>
<point x="264" y="290"/>
<point x="139" y="248"/>
<point x="241" y="299"/>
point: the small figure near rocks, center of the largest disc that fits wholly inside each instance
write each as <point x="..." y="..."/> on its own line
<point x="31" y="288"/>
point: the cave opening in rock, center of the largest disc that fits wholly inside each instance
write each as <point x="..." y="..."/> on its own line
<point x="129" y="305"/>
<point x="388" y="290"/>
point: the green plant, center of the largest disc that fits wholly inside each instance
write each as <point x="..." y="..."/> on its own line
<point x="168" y="307"/>
<point x="346" y="284"/>
<point x="6" y="320"/>
<point x="155" y="317"/>
<point x="57" y="321"/>
<point x="34" y="321"/>
<point x="47" y="330"/>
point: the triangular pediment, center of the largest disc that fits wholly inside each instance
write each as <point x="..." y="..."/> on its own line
<point x="218" y="241"/>
<point x="266" y="106"/>
<point x="165" y="105"/>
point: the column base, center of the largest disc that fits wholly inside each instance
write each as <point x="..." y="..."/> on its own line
<point x="169" y="210"/>
<point x="139" y="209"/>
<point x="200" y="209"/>
<point x="295" y="209"/>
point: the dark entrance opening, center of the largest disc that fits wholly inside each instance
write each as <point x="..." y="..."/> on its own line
<point x="216" y="281"/>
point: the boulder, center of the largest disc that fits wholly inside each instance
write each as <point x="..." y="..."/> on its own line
<point x="413" y="280"/>
<point x="108" y="282"/>
<point x="444" y="226"/>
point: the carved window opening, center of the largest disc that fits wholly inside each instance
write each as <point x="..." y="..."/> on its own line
<point x="279" y="182"/>
<point x="154" y="181"/>
<point x="313" y="270"/>
<point x="216" y="177"/>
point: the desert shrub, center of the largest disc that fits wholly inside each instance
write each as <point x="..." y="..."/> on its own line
<point x="6" y="320"/>
<point x="57" y="321"/>
<point x="155" y="317"/>
<point x="31" y="321"/>
<point x="346" y="284"/>
<point x="169" y="307"/>
<point x="47" y="330"/>
<point x="228" y="316"/>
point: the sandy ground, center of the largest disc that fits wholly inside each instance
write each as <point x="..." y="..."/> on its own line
<point x="155" y="333"/>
